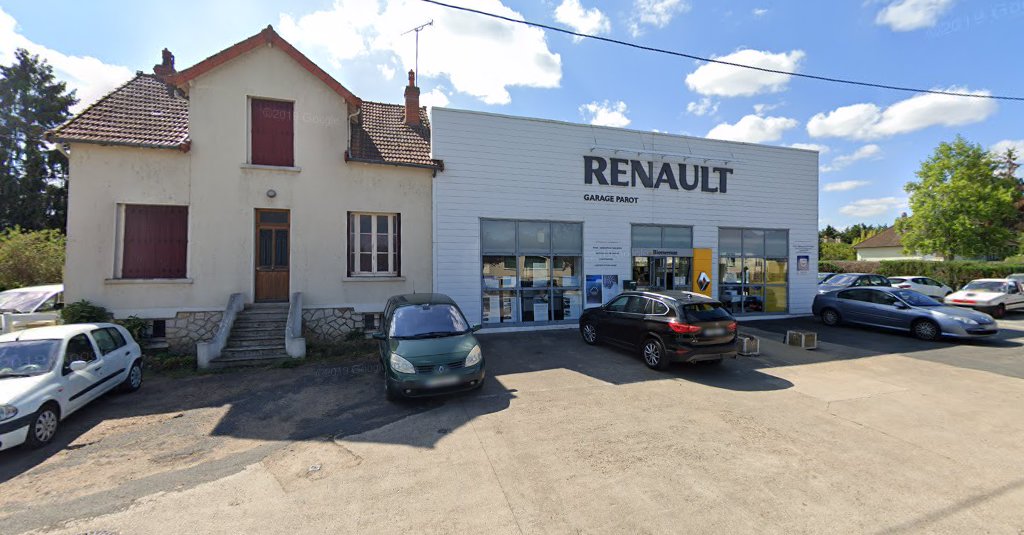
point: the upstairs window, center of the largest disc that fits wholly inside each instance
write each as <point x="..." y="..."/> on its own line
<point x="273" y="133"/>
<point x="155" y="244"/>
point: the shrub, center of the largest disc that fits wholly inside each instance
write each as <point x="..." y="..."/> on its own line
<point x="857" y="266"/>
<point x="136" y="326"/>
<point x="824" y="266"/>
<point x="836" y="251"/>
<point x="84" y="312"/>
<point x="30" y="258"/>
<point x="955" y="274"/>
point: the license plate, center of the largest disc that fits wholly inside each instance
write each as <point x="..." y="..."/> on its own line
<point x="714" y="332"/>
<point x="441" y="381"/>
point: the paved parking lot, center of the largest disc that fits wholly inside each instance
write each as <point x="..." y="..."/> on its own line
<point x="874" y="432"/>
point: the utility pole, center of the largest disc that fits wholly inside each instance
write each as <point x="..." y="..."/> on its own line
<point x="417" y="29"/>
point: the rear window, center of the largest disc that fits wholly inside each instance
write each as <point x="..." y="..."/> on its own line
<point x="706" y="312"/>
<point x="897" y="280"/>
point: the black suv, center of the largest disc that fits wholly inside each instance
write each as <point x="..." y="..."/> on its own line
<point x="665" y="326"/>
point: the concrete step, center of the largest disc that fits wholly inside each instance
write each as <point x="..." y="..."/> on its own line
<point x="263" y="315"/>
<point x="255" y="352"/>
<point x="237" y="361"/>
<point x="251" y="324"/>
<point x="274" y="341"/>
<point x="252" y="334"/>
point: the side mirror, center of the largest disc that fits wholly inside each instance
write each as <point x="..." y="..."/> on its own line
<point x="378" y="336"/>
<point x="476" y="327"/>
<point x="78" y="365"/>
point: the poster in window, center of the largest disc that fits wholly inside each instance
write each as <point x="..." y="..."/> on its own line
<point x="610" y="287"/>
<point x="593" y="289"/>
<point x="571" y="305"/>
<point x="803" y="263"/>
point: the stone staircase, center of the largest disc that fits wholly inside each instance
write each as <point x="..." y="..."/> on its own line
<point x="257" y="337"/>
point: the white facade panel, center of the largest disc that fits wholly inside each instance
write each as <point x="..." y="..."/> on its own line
<point x="501" y="167"/>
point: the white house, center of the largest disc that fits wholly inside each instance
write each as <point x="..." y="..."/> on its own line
<point x="886" y="245"/>
<point x="251" y="174"/>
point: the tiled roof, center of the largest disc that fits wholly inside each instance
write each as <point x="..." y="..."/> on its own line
<point x="381" y="135"/>
<point x="143" y="112"/>
<point x="886" y="238"/>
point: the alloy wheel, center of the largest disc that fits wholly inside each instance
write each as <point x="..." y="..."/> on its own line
<point x="45" y="426"/>
<point x="926" y="330"/>
<point x="589" y="333"/>
<point x="135" y="377"/>
<point x="830" y="317"/>
<point x="652" y="353"/>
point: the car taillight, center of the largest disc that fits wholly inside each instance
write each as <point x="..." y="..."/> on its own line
<point x="683" y="328"/>
<point x="731" y="327"/>
<point x="904" y="286"/>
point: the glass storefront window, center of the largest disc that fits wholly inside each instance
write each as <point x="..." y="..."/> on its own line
<point x="753" y="270"/>
<point x="641" y="271"/>
<point x="532" y="271"/>
<point x="677" y="237"/>
<point x="646" y="236"/>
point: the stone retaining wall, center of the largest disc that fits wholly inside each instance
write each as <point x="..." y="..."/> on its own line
<point x="189" y="328"/>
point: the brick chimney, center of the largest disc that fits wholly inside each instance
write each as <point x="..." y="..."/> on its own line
<point x="167" y="67"/>
<point x="412" y="102"/>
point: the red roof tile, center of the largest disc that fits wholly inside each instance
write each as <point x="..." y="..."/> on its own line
<point x="143" y="112"/>
<point x="381" y="136"/>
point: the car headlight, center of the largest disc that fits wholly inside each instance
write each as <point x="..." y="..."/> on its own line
<point x="967" y="321"/>
<point x="401" y="365"/>
<point x="7" y="412"/>
<point x="474" y="357"/>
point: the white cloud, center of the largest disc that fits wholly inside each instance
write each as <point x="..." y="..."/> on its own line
<point x="605" y="113"/>
<point x="434" y="97"/>
<point x="822" y="149"/>
<point x="705" y="107"/>
<point x="761" y="109"/>
<point x="840" y="162"/>
<point x="753" y="129"/>
<point x="1015" y="144"/>
<point x="760" y="11"/>
<point x="387" y="71"/>
<point x="845" y="185"/>
<point x="656" y="13"/>
<point x="479" y="56"/>
<point x="729" y="81"/>
<point x="590" y="21"/>
<point x="873" y="207"/>
<point x="88" y="76"/>
<point x="909" y="15"/>
<point x="868" y="121"/>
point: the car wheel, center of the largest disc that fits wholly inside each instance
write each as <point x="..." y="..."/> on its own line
<point x="926" y="330"/>
<point x="589" y="333"/>
<point x="390" y="392"/>
<point x="999" y="311"/>
<point x="654" y="356"/>
<point x="830" y="317"/>
<point x="44" y="425"/>
<point x="134" y="380"/>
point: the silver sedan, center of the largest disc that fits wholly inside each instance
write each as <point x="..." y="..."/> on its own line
<point x="905" y="310"/>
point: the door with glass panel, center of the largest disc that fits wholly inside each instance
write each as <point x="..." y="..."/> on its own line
<point x="272" y="255"/>
<point x="753" y="270"/>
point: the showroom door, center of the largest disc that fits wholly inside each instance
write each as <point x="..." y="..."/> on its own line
<point x="272" y="252"/>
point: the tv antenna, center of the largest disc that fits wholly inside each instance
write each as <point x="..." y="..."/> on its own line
<point x="417" y="30"/>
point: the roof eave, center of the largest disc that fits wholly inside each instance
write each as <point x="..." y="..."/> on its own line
<point x="184" y="146"/>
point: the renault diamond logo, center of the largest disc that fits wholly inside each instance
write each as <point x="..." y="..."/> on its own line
<point x="440" y="369"/>
<point x="703" y="281"/>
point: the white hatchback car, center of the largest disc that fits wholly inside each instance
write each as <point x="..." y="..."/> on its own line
<point x="994" y="296"/>
<point x="50" y="372"/>
<point x="925" y="285"/>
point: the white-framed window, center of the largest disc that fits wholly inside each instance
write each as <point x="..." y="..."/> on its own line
<point x="374" y="244"/>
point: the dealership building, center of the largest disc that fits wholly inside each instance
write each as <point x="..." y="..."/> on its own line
<point x="535" y="220"/>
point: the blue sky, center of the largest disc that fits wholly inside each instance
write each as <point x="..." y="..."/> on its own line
<point x="872" y="140"/>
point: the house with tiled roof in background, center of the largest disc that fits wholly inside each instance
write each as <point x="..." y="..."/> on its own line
<point x="886" y="245"/>
<point x="247" y="203"/>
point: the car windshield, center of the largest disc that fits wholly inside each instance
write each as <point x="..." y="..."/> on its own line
<point x="986" y="286"/>
<point x="25" y="358"/>
<point x="706" y="312"/>
<point x="427" y="321"/>
<point x="841" y="280"/>
<point x="916" y="299"/>
<point x="13" y="301"/>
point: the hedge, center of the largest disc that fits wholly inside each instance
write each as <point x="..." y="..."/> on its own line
<point x="30" y="258"/>
<point x="955" y="274"/>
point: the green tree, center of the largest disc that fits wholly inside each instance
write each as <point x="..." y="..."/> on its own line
<point x="30" y="258"/>
<point x="33" y="173"/>
<point x="961" y="205"/>
<point x="829" y="233"/>
<point x="836" y="251"/>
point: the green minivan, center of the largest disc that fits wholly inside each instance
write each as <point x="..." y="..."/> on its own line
<point x="427" y="347"/>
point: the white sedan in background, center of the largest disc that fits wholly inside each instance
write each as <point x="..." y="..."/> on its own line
<point x="925" y="285"/>
<point x="50" y="372"/>
<point x="994" y="296"/>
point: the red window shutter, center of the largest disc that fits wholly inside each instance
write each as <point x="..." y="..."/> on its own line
<point x="155" y="242"/>
<point x="273" y="131"/>
<point x="398" y="244"/>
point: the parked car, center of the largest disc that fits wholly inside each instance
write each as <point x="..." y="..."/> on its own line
<point x="822" y="277"/>
<point x="995" y="296"/>
<point x="32" y="299"/>
<point x="905" y="310"/>
<point x="1019" y="277"/>
<point x="427" y="347"/>
<point x="48" y="373"/>
<point x="665" y="326"/>
<point x="925" y="285"/>
<point x="846" y="280"/>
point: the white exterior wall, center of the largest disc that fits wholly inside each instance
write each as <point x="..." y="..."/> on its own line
<point x="519" y="168"/>
<point x="222" y="194"/>
<point x="891" y="253"/>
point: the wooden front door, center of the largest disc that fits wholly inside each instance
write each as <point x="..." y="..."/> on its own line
<point x="272" y="235"/>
